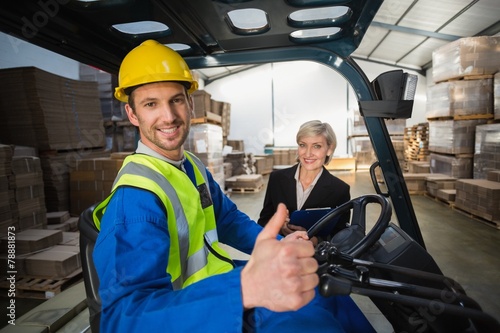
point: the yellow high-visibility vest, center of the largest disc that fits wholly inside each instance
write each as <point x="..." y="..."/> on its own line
<point x="190" y="215"/>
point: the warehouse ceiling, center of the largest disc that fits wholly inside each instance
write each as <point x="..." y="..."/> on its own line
<point x="405" y="32"/>
<point x="395" y="32"/>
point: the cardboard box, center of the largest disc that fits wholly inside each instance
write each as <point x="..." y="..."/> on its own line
<point x="416" y="182"/>
<point x="263" y="164"/>
<point x="486" y="150"/>
<point x="58" y="261"/>
<point x="460" y="98"/>
<point x="436" y="182"/>
<point x="493" y="175"/>
<point x="419" y="167"/>
<point x="68" y="117"/>
<point x="202" y="103"/>
<point x="446" y="194"/>
<point x="479" y="197"/>
<point x="32" y="240"/>
<point x="466" y="57"/>
<point x="57" y="217"/>
<point x="453" y="136"/>
<point x="458" y="167"/>
<point x="245" y="182"/>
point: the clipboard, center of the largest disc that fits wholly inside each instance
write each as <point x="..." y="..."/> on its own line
<point x="307" y="218"/>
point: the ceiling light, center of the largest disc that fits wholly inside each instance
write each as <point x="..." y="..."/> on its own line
<point x="319" y="16"/>
<point x="248" y="21"/>
<point x="142" y="27"/>
<point x="315" y="35"/>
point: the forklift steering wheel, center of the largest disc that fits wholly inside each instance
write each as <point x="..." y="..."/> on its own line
<point x="352" y="240"/>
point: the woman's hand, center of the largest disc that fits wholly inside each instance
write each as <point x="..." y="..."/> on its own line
<point x="287" y="228"/>
<point x="296" y="232"/>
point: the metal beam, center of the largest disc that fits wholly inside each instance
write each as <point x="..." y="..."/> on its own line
<point x="413" y="31"/>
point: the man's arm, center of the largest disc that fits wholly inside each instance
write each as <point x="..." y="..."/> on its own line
<point x="131" y="256"/>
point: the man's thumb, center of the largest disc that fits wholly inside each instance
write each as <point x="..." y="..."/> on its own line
<point x="273" y="227"/>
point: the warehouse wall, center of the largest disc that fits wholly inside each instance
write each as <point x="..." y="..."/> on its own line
<point x="270" y="102"/>
<point x="15" y="52"/>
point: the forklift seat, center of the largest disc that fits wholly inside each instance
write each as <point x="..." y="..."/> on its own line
<point x="88" y="237"/>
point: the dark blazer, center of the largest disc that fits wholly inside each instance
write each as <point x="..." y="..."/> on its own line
<point x="329" y="191"/>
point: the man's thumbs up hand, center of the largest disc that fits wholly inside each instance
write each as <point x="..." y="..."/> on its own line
<point x="280" y="276"/>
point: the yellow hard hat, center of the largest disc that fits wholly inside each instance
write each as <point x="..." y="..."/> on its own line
<point x="152" y="62"/>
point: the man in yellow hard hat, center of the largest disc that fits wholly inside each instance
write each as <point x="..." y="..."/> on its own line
<point x="160" y="265"/>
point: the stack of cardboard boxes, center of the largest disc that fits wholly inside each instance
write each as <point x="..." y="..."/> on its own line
<point x="59" y="118"/>
<point x="463" y="139"/>
<point x="460" y="100"/>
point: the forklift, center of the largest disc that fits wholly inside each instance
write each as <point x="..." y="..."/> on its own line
<point x="388" y="263"/>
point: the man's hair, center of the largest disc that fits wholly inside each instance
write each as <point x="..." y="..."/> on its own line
<point x="130" y="92"/>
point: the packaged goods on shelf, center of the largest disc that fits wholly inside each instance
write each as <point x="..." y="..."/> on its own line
<point x="437" y="182"/>
<point x="263" y="164"/>
<point x="6" y="193"/>
<point x="493" y="175"/>
<point x="284" y="156"/>
<point x="460" y="98"/>
<point x="486" y="150"/>
<point x="238" y="145"/>
<point x="33" y="240"/>
<point x="56" y="262"/>
<point x="465" y="57"/>
<point x="91" y="182"/>
<point x="49" y="112"/>
<point x="238" y="161"/>
<point x="416" y="182"/>
<point x="245" y="183"/>
<point x="202" y="103"/>
<point x="453" y="136"/>
<point x="479" y="197"/>
<point x="458" y="167"/>
<point x="419" y="167"/>
<point x="26" y="181"/>
<point x="205" y="141"/>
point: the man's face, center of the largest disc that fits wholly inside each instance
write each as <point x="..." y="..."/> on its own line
<point x="162" y="111"/>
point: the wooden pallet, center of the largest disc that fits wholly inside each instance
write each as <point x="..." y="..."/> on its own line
<point x="209" y="117"/>
<point x="473" y="116"/>
<point x="468" y="77"/>
<point x="246" y="190"/>
<point x="487" y="116"/>
<point x="478" y="218"/>
<point x="41" y="287"/>
<point x="440" y="200"/>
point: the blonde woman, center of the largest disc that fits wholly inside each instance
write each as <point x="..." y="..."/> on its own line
<point x="307" y="184"/>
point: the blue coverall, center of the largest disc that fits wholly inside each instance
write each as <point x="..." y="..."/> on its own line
<point x="131" y="256"/>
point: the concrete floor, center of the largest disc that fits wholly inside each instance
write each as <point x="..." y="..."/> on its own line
<point x="465" y="249"/>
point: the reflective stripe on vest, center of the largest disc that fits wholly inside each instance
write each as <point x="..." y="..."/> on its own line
<point x="162" y="178"/>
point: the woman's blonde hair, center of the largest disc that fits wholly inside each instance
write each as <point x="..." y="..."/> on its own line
<point x="316" y="127"/>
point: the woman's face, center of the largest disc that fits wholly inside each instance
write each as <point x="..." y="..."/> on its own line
<point x="312" y="152"/>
